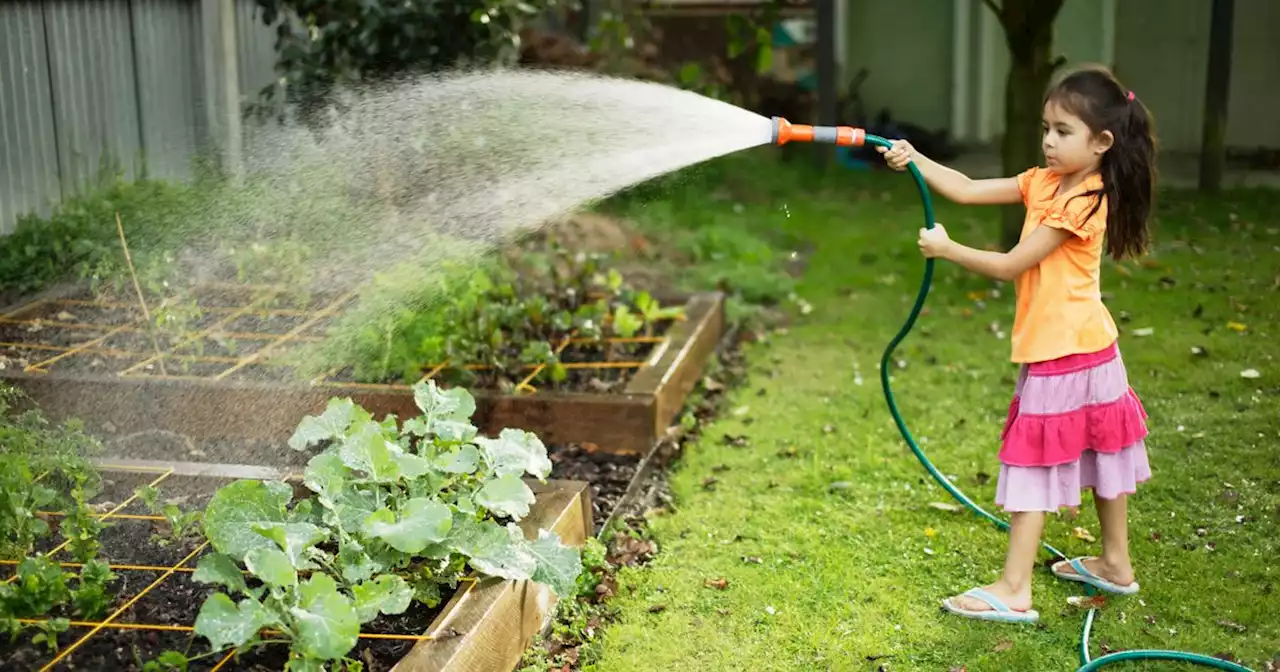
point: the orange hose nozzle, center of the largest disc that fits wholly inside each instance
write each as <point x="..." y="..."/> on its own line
<point x="845" y="136"/>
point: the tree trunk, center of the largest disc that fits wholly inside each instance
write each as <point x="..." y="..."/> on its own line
<point x="1028" y="29"/>
<point x="1213" y="149"/>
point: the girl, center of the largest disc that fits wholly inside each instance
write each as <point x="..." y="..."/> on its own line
<point x="1074" y="422"/>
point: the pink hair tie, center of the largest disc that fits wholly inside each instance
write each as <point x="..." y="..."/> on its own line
<point x="1130" y="96"/>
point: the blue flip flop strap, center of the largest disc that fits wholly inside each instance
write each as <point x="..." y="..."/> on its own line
<point x="1078" y="565"/>
<point x="991" y="600"/>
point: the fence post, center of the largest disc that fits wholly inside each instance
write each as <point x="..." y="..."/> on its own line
<point x="222" y="81"/>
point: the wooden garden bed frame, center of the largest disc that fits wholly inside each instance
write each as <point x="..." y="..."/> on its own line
<point x="205" y="408"/>
<point x="486" y="625"/>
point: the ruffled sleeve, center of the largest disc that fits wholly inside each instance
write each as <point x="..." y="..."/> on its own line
<point x="1027" y="181"/>
<point x="1075" y="214"/>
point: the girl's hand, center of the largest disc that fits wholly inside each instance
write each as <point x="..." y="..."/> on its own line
<point x="899" y="155"/>
<point x="934" y="242"/>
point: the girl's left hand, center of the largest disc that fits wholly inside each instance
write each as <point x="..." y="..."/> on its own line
<point x="934" y="242"/>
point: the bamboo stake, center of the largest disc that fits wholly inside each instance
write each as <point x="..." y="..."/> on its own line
<point x="141" y="300"/>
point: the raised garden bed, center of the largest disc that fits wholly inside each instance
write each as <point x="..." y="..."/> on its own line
<point x="100" y="362"/>
<point x="485" y="625"/>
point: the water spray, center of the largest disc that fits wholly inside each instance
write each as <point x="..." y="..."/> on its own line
<point x="783" y="132"/>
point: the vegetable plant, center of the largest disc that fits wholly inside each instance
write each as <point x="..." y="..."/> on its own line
<point x="506" y="318"/>
<point x="394" y="515"/>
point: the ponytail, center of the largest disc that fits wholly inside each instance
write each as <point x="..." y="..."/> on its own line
<point x="1128" y="166"/>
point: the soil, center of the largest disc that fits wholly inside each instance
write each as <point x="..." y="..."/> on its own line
<point x="609" y="475"/>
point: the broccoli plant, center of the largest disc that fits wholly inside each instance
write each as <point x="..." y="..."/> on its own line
<point x="394" y="514"/>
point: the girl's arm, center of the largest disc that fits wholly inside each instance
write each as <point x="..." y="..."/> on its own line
<point x="998" y="265"/>
<point x="953" y="184"/>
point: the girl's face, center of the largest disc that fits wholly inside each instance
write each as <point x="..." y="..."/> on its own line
<point x="1068" y="144"/>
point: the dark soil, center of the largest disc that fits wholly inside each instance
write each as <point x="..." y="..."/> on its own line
<point x="609" y="475"/>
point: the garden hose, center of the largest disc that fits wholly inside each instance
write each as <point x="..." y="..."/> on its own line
<point x="847" y="136"/>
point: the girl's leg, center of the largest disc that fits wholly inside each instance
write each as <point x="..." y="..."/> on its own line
<point x="1014" y="586"/>
<point x="1115" y="564"/>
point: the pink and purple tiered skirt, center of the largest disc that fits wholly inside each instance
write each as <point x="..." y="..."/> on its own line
<point x="1074" y="423"/>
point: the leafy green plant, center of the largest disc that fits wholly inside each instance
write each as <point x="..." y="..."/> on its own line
<point x="182" y="524"/>
<point x="395" y="514"/>
<point x="506" y="318"/>
<point x="325" y="45"/>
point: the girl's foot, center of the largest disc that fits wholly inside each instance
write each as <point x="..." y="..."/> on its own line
<point x="1108" y="576"/>
<point x="1017" y="600"/>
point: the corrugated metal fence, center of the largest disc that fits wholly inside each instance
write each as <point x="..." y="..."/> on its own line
<point x="89" y="85"/>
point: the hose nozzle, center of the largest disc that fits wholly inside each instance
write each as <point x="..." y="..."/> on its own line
<point x="845" y="136"/>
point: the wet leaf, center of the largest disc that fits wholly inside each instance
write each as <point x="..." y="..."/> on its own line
<point x="1081" y="533"/>
<point x="1087" y="601"/>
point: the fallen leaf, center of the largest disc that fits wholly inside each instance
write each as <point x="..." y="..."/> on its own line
<point x="751" y="560"/>
<point x="718" y="584"/>
<point x="958" y="668"/>
<point x="1081" y="533"/>
<point x="736" y="440"/>
<point x="827" y="429"/>
<point x="709" y="483"/>
<point x="1087" y="601"/>
<point x="741" y="411"/>
<point x="841" y="485"/>
<point x="1004" y="645"/>
<point x="1199" y="351"/>
<point x="945" y="506"/>
<point x="1236" y="326"/>
<point x="789" y="451"/>
<point x="657" y="608"/>
<point x="1232" y="625"/>
<point x="1144" y="331"/>
<point x="1250" y="373"/>
<point x="712" y="385"/>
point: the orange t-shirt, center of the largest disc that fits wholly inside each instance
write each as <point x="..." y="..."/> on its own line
<point x="1059" y="301"/>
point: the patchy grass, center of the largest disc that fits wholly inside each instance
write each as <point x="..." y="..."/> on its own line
<point x="822" y="525"/>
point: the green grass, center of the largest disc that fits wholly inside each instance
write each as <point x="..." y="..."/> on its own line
<point x="850" y="577"/>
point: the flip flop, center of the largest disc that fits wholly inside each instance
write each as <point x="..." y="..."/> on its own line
<point x="1083" y="575"/>
<point x="999" y="610"/>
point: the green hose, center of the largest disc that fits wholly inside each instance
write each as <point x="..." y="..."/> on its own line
<point x="1087" y="664"/>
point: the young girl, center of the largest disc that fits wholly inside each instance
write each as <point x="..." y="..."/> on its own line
<point x="1074" y="422"/>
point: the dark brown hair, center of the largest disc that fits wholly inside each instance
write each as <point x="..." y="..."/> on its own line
<point x="1128" y="168"/>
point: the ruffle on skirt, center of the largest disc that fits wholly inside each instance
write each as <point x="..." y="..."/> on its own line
<point x="1074" y="423"/>
<point x="1051" y="488"/>
<point x="1063" y="408"/>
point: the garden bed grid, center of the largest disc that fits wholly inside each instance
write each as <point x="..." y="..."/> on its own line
<point x="108" y="339"/>
<point x="186" y="565"/>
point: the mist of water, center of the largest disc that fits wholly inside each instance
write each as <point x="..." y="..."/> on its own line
<point x="459" y="162"/>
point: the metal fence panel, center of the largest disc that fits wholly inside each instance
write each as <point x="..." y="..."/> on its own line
<point x="28" y="144"/>
<point x="167" y="43"/>
<point x="94" y="89"/>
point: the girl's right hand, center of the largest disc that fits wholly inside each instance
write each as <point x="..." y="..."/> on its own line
<point x="899" y="155"/>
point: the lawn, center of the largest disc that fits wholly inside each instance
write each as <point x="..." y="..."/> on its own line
<point x="824" y="526"/>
